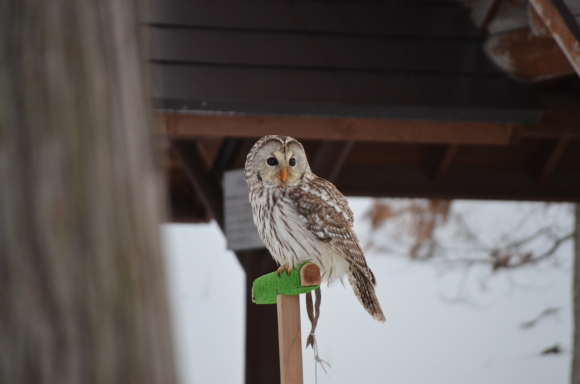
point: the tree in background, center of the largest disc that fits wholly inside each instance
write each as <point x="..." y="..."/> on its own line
<point x="82" y="292"/>
<point x="436" y="231"/>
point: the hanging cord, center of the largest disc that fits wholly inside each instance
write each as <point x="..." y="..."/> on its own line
<point x="313" y="315"/>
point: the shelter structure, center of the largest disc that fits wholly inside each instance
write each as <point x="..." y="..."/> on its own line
<point x="417" y="98"/>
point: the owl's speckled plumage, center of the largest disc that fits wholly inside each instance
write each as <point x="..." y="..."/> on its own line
<point x="302" y="217"/>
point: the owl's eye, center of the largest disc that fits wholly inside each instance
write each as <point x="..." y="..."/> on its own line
<point x="272" y="161"/>
<point x="292" y="162"/>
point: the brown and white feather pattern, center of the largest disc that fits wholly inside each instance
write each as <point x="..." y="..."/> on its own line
<point x="310" y="221"/>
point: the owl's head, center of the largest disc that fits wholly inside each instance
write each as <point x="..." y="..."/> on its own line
<point x="277" y="161"/>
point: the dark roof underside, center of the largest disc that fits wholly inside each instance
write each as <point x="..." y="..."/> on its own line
<point x="390" y="60"/>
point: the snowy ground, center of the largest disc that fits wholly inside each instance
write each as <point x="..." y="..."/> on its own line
<point x="443" y="326"/>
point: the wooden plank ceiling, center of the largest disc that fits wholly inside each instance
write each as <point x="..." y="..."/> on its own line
<point x="405" y="83"/>
<point x="391" y="59"/>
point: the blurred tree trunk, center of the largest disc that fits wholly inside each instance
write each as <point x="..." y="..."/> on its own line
<point x="82" y="292"/>
<point x="576" y="299"/>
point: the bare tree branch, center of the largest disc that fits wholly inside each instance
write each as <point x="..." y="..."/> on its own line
<point x="550" y="311"/>
<point x="421" y="220"/>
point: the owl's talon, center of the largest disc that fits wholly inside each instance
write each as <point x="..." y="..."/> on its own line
<point x="285" y="268"/>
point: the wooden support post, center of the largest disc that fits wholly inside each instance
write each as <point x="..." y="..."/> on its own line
<point x="262" y="364"/>
<point x="284" y="290"/>
<point x="289" y="339"/>
<point x="289" y="331"/>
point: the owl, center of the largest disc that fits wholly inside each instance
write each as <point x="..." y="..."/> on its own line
<point x="302" y="217"/>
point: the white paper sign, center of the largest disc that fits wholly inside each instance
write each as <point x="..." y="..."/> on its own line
<point x="241" y="232"/>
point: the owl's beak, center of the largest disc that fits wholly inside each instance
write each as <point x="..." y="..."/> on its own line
<point x="283" y="174"/>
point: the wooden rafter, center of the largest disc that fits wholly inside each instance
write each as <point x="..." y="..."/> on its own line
<point x="464" y="183"/>
<point x="225" y="156"/>
<point x="561" y="32"/>
<point x="552" y="160"/>
<point x="483" y="11"/>
<point x="329" y="158"/>
<point x="553" y="124"/>
<point x="442" y="162"/>
<point x="192" y="125"/>
<point x="206" y="186"/>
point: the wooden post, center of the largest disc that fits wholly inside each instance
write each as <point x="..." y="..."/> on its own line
<point x="262" y="363"/>
<point x="552" y="14"/>
<point x="289" y="335"/>
<point x="284" y="290"/>
<point x="289" y="339"/>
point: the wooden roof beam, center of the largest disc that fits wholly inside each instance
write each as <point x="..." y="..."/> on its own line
<point x="191" y="126"/>
<point x="554" y="124"/>
<point x="552" y="17"/>
<point x="329" y="159"/>
<point x="442" y="161"/>
<point x="206" y="186"/>
<point x="483" y="11"/>
<point x="225" y="156"/>
<point x="554" y="156"/>
<point x="526" y="56"/>
<point x="459" y="183"/>
<point x="184" y="205"/>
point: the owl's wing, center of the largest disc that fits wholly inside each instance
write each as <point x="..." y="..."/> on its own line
<point x="328" y="216"/>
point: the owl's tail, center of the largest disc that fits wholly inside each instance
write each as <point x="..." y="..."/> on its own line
<point x="364" y="289"/>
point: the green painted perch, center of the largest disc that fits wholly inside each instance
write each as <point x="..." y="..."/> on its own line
<point x="284" y="290"/>
<point x="302" y="279"/>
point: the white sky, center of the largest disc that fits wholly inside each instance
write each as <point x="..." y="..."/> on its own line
<point x="426" y="339"/>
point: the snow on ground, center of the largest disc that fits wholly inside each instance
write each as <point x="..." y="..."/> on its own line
<point x="429" y="336"/>
<point x="206" y="289"/>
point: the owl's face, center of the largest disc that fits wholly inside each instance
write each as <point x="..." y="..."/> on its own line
<point x="279" y="161"/>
